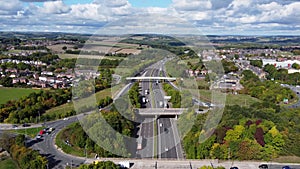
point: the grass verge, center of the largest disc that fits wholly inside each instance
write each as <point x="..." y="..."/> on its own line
<point x="31" y="132"/>
<point x="288" y="159"/>
<point x="155" y="140"/>
<point x="72" y="150"/>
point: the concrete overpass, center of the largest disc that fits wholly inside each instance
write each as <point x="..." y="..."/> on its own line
<point x="151" y="78"/>
<point x="161" y="111"/>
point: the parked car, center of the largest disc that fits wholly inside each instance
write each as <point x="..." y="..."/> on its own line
<point x="234" y="168"/>
<point x="263" y="166"/>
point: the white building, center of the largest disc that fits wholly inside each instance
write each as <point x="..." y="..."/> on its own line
<point x="283" y="64"/>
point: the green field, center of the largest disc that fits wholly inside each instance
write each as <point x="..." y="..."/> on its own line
<point x="7" y="94"/>
<point x="239" y="99"/>
<point x="73" y="150"/>
<point x="8" y="164"/>
<point x="89" y="100"/>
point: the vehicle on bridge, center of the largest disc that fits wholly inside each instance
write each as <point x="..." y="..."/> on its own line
<point x="140" y="143"/>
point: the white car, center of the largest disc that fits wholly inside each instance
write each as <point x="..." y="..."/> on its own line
<point x="65" y="118"/>
<point x="160" y="124"/>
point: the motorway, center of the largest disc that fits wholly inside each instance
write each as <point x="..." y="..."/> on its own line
<point x="147" y="125"/>
<point x="168" y="141"/>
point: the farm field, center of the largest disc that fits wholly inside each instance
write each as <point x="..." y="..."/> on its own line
<point x="75" y="56"/>
<point x="7" y="94"/>
<point x="58" y="48"/>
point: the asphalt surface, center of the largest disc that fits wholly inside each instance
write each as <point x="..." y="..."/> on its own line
<point x="46" y="146"/>
<point x="168" y="143"/>
<point x="147" y="125"/>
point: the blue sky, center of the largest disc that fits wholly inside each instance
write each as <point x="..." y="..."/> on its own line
<point x="241" y="17"/>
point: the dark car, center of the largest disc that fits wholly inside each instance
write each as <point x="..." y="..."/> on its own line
<point x="286" y="167"/>
<point x="234" y="168"/>
<point x="26" y="125"/>
<point x="263" y="166"/>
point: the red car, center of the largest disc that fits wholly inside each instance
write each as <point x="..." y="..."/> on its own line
<point x="42" y="132"/>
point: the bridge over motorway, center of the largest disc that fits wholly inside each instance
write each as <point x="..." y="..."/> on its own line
<point x="151" y="78"/>
<point x="161" y="111"/>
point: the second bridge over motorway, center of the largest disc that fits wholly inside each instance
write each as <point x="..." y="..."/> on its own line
<point x="160" y="111"/>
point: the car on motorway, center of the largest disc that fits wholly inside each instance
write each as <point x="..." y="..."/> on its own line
<point x="286" y="167"/>
<point x="263" y="166"/>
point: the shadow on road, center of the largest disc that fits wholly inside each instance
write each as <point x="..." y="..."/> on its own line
<point x="30" y="143"/>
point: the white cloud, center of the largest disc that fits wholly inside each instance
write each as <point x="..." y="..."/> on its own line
<point x="236" y="16"/>
<point x="10" y="7"/>
<point x="192" y="5"/>
<point x="54" y="7"/>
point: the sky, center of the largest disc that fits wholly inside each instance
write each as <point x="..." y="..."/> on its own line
<point x="209" y="17"/>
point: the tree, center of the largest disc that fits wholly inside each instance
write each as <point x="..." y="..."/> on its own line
<point x="257" y="63"/>
<point x="6" y="81"/>
<point x="295" y="66"/>
<point x="234" y="135"/>
<point x="275" y="139"/>
<point x="259" y="136"/>
<point x="20" y="139"/>
<point x="248" y="150"/>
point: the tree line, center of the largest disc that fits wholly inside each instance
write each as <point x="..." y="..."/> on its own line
<point x="263" y="131"/>
<point x="175" y="95"/>
<point x="100" y="165"/>
<point x="28" y="108"/>
<point x="26" y="158"/>
<point x="265" y="90"/>
<point x="282" y="75"/>
<point x="79" y="139"/>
